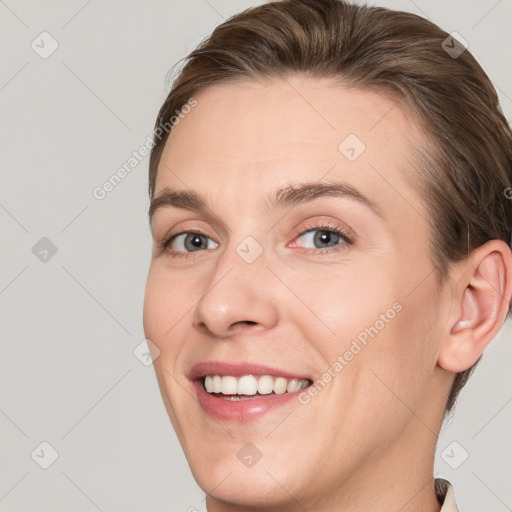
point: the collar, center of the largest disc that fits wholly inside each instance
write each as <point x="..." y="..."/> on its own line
<point x="445" y="495"/>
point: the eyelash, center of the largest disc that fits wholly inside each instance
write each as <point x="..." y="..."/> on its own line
<point x="326" y="226"/>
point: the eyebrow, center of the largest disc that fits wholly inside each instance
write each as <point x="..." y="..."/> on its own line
<point x="288" y="196"/>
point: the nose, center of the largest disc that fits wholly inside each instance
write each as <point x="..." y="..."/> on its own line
<point x="237" y="297"/>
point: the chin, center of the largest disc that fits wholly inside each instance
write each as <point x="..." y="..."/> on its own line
<point x="243" y="487"/>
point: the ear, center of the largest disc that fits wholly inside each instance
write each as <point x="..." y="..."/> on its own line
<point x="482" y="297"/>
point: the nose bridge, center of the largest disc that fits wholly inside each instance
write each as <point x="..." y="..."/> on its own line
<point x="237" y="291"/>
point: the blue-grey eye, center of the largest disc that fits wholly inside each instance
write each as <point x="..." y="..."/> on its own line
<point x="321" y="238"/>
<point x="190" y="242"/>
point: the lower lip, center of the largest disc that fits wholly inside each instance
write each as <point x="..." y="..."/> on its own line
<point x="241" y="410"/>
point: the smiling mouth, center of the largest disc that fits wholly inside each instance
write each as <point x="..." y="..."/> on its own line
<point x="248" y="387"/>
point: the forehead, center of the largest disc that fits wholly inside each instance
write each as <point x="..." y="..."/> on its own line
<point x="250" y="136"/>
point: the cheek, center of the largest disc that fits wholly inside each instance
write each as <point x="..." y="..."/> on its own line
<point x="164" y="306"/>
<point x="337" y="307"/>
<point x="383" y="333"/>
<point x="166" y="303"/>
<point x="401" y="359"/>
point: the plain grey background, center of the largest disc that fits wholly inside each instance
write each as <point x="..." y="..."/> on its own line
<point x="72" y="319"/>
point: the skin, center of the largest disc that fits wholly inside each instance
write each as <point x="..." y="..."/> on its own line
<point x="367" y="440"/>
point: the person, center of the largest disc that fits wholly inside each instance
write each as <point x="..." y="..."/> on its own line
<point x="331" y="256"/>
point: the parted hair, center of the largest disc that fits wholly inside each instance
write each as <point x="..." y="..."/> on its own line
<point x="464" y="164"/>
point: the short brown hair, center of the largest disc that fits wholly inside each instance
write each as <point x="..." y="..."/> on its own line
<point x="465" y="163"/>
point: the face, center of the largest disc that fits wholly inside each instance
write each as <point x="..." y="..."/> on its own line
<point x="303" y="261"/>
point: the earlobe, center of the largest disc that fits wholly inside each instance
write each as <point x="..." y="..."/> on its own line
<point x="483" y="301"/>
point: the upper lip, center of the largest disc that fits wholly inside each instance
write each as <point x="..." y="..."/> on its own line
<point x="237" y="369"/>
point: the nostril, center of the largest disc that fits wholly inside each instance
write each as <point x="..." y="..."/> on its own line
<point x="243" y="322"/>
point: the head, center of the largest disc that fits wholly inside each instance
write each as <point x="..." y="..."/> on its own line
<point x="347" y="179"/>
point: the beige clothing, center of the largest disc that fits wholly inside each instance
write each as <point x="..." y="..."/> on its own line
<point x="445" y="490"/>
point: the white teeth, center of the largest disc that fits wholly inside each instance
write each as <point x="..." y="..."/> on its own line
<point x="265" y="384"/>
<point x="280" y="385"/>
<point x="293" y="385"/>
<point x="217" y="384"/>
<point x="229" y="385"/>
<point x="249" y="385"/>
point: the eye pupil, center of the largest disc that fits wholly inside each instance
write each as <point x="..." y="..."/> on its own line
<point x="326" y="237"/>
<point x="194" y="241"/>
